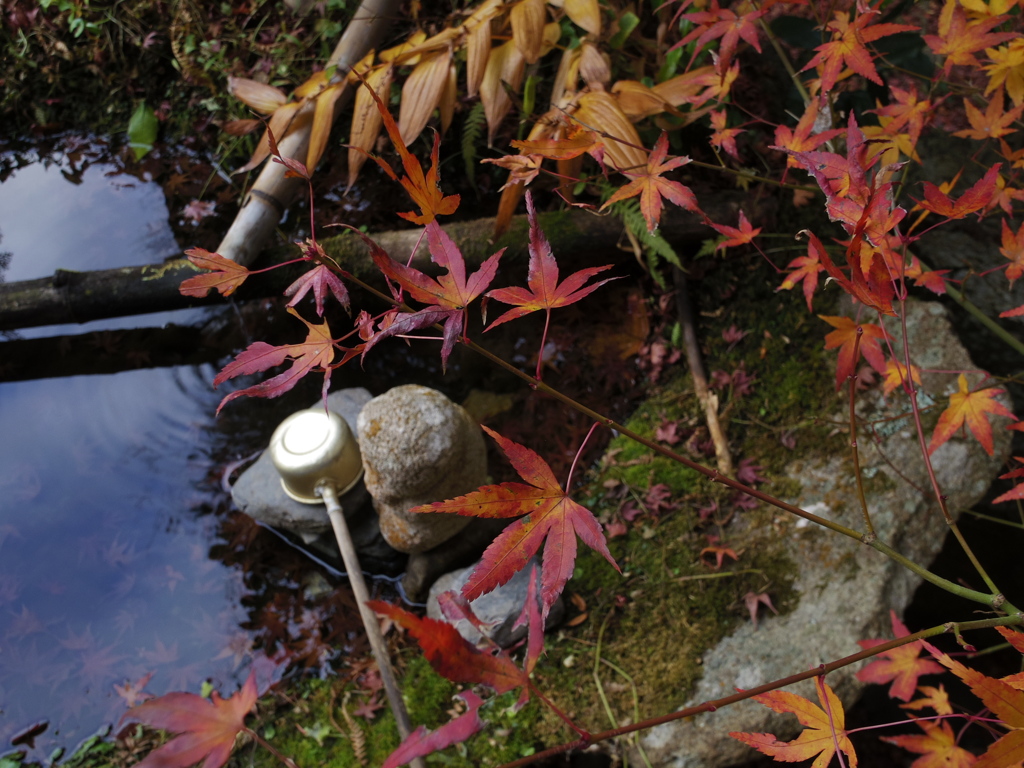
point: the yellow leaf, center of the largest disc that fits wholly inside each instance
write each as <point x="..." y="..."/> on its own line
<point x="564" y="85"/>
<point x="422" y="93"/>
<point x="323" y="119"/>
<point x="528" y="17"/>
<point x="600" y="112"/>
<point x="638" y="101"/>
<point x="393" y="53"/>
<point x="584" y="13"/>
<point x="260" y="96"/>
<point x="366" y="118"/>
<point x="505" y="64"/>
<point x="449" y="95"/>
<point x="316" y="83"/>
<point x="478" y="43"/>
<point x="684" y="89"/>
<point x="280" y="124"/>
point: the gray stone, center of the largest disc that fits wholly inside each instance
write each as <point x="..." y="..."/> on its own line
<point x="498" y="610"/>
<point x="846" y="589"/>
<point x="419" y="447"/>
<point x="259" y="494"/>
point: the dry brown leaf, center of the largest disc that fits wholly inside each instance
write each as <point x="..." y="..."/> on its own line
<point x="637" y="100"/>
<point x="578" y="602"/>
<point x="570" y="171"/>
<point x="528" y="17"/>
<point x="510" y="197"/>
<point x="683" y="89"/>
<point x="449" y="96"/>
<point x="575" y="621"/>
<point x="323" y="119"/>
<point x="478" y="43"/>
<point x="240" y="127"/>
<point x="392" y="53"/>
<point x="443" y="39"/>
<point x="599" y="111"/>
<point x="280" y="123"/>
<point x="595" y="67"/>
<point x="564" y="85"/>
<point x="421" y="93"/>
<point x="366" y="118"/>
<point x="260" y="96"/>
<point x="584" y="13"/>
<point x="505" y="64"/>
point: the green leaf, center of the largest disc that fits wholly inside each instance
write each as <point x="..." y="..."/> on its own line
<point x="142" y="130"/>
<point x="627" y="23"/>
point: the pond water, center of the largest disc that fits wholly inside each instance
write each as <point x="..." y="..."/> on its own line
<point x="107" y="485"/>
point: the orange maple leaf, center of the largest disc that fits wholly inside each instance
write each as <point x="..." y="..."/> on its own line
<point x="901" y="665"/>
<point x="423" y="188"/>
<point x="896" y="376"/>
<point x="207" y="727"/>
<point x="1005" y="701"/>
<point x="724" y="23"/>
<point x="906" y="109"/>
<point x="993" y="123"/>
<point x="225" y="275"/>
<point x="845" y="337"/>
<point x="974" y="199"/>
<point x="806" y="269"/>
<point x="652" y="187"/>
<point x="824" y="728"/>
<point x="934" y="698"/>
<point x="804" y="137"/>
<point x="1018" y="490"/>
<point x="969" y="407"/>
<point x="848" y="45"/>
<point x="959" y="39"/>
<point x="1013" y="249"/>
<point x="724" y="138"/>
<point x="547" y="514"/>
<point x="938" y="746"/>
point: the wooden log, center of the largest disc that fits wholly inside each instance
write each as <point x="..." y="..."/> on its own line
<point x="578" y="238"/>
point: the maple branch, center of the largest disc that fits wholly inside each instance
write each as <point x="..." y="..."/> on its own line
<point x="994" y="600"/>
<point x="999" y="601"/>
<point x="819" y="671"/>
<point x="853" y="437"/>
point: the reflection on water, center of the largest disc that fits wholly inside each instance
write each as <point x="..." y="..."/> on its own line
<point x="106" y="582"/>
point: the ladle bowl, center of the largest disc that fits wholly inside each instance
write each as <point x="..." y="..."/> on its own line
<point x="313" y="446"/>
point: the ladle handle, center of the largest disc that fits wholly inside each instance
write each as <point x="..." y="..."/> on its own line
<point x="370" y="621"/>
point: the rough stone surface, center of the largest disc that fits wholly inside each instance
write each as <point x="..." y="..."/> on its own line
<point x="498" y="610"/>
<point x="424" y="568"/>
<point x="846" y="589"/>
<point x="419" y="447"/>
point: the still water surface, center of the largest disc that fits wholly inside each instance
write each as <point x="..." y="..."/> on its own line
<point x="106" y="482"/>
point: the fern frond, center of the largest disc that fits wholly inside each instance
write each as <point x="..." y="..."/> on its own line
<point x="472" y="131"/>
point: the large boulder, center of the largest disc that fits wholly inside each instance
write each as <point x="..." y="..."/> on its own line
<point x="419" y="447"/>
<point x="846" y="589"/>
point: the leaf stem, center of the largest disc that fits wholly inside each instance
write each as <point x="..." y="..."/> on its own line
<point x="853" y="436"/>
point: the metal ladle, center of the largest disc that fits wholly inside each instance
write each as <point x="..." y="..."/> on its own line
<point x="318" y="459"/>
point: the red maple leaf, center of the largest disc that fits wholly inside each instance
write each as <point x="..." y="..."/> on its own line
<point x="724" y="23"/>
<point x="454" y="657"/>
<point x="824" y="728"/>
<point x="845" y="337"/>
<point x="736" y="235"/>
<point x="901" y="665"/>
<point x="207" y="727"/>
<point x="969" y="407"/>
<point x="848" y="46"/>
<point x="423" y="188"/>
<point x="651" y="187"/>
<point x="225" y="275"/>
<point x="317" y="351"/>
<point x="448" y="296"/>
<point x="1018" y="491"/>
<point x="320" y="279"/>
<point x="549" y="514"/>
<point x="544" y="292"/>
<point x="974" y="199"/>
